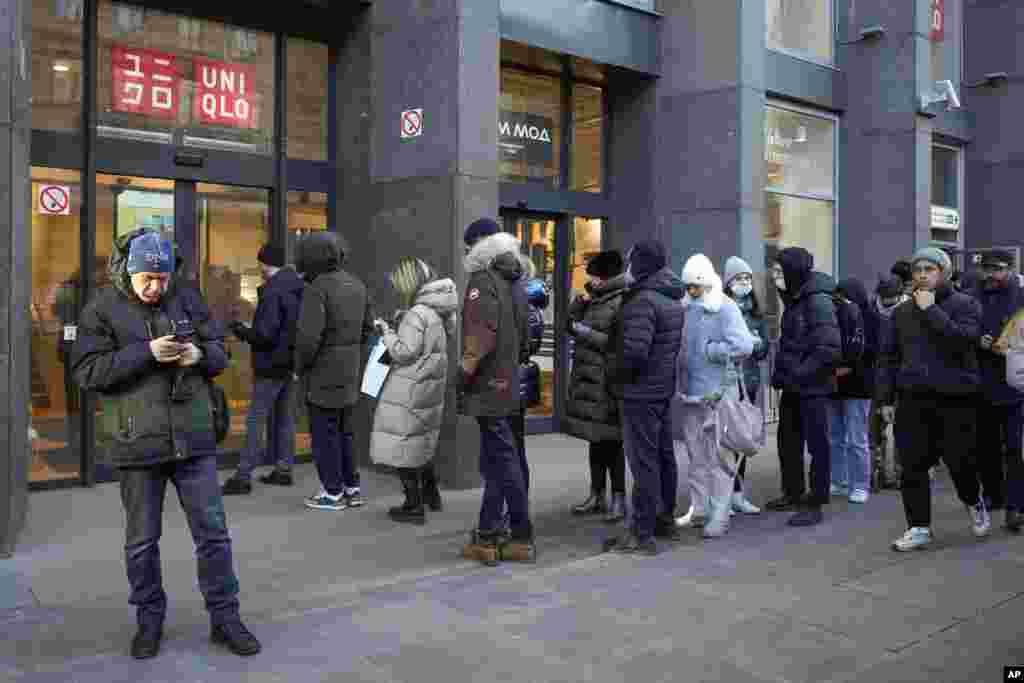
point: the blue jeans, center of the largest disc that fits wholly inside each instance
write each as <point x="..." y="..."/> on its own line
<point x="332" y="448"/>
<point x="142" y="494"/>
<point x="504" y="481"/>
<point x="647" y="440"/>
<point x="851" y="453"/>
<point x="271" y="413"/>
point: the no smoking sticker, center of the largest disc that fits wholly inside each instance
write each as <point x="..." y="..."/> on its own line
<point x="412" y="123"/>
<point x="54" y="200"/>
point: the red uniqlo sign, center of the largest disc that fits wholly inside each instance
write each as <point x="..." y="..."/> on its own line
<point x="145" y="82"/>
<point x="938" y="33"/>
<point x="224" y="94"/>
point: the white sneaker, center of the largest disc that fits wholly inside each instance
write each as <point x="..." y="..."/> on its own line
<point x="838" y="489"/>
<point x="741" y="504"/>
<point x="981" y="520"/>
<point x="718" y="523"/>
<point x="859" y="496"/>
<point x="693" y="517"/>
<point x="916" y="538"/>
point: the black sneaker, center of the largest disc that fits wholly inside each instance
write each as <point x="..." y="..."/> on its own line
<point x="236" y="487"/>
<point x="807" y="517"/>
<point x="236" y="637"/>
<point x="1013" y="520"/>
<point x="146" y="643"/>
<point x="631" y="545"/>
<point x="666" y="530"/>
<point x="278" y="478"/>
<point x="782" y="504"/>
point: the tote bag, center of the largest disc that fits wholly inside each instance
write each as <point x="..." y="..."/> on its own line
<point x="377" y="369"/>
<point x="741" y="423"/>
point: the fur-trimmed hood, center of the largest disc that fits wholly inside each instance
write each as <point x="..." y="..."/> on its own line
<point x="500" y="251"/>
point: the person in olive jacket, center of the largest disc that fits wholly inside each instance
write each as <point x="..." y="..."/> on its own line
<point x="494" y="340"/>
<point x="647" y="345"/>
<point x="929" y="359"/>
<point x="593" y="413"/>
<point x="335" y="323"/>
<point x="272" y="337"/>
<point x="810" y="347"/>
<point x="151" y="354"/>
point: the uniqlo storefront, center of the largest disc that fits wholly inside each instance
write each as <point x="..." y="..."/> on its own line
<point x="215" y="133"/>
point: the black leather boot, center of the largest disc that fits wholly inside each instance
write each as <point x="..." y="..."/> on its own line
<point x="617" y="510"/>
<point x="431" y="494"/>
<point x="411" y="511"/>
<point x="595" y="505"/>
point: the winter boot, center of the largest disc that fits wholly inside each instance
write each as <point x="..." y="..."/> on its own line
<point x="740" y="503"/>
<point x="595" y="505"/>
<point x="718" y="521"/>
<point x="518" y="549"/>
<point x="617" y="510"/>
<point x="431" y="493"/>
<point x="411" y="511"/>
<point x="482" y="547"/>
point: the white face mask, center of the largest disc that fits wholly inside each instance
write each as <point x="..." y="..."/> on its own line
<point x="780" y="283"/>
<point x="742" y="289"/>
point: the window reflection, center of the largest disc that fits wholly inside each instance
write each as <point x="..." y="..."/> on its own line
<point x="529" y="128"/>
<point x="307" y="100"/>
<point x="56" y="65"/>
<point x="587" y="138"/>
<point x="803" y="27"/>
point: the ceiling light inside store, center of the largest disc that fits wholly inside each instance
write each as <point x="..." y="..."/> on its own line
<point x="61" y="67"/>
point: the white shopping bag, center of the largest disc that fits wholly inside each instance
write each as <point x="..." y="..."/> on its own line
<point x="376" y="372"/>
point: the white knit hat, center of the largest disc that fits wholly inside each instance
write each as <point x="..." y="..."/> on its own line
<point x="699" y="271"/>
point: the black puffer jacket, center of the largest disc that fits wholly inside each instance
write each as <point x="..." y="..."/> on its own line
<point x="648" y="339"/>
<point x="810" y="344"/>
<point x="933" y="351"/>
<point x="593" y="411"/>
<point x="860" y="383"/>
<point x="997" y="307"/>
<point x="272" y="335"/>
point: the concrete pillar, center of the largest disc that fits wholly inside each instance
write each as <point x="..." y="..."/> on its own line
<point x="709" y="131"/>
<point x="414" y="197"/>
<point x="15" y="267"/>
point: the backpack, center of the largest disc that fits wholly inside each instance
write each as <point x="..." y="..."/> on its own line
<point x="851" y="329"/>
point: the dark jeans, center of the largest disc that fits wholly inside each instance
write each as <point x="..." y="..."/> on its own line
<point x="927" y="428"/>
<point x="272" y="414"/>
<point x="332" y="448"/>
<point x="607" y="459"/>
<point x="504" y="481"/>
<point x="805" y="422"/>
<point x="999" y="448"/>
<point x="741" y="472"/>
<point x="647" y="441"/>
<point x="142" y="494"/>
<point x="518" y="423"/>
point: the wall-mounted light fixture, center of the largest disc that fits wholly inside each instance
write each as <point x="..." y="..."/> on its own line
<point x="868" y="33"/>
<point x="942" y="91"/>
<point x="990" y="80"/>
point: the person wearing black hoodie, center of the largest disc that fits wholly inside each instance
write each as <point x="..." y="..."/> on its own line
<point x="851" y="449"/>
<point x="810" y="346"/>
<point x="647" y="344"/>
<point x="272" y="338"/>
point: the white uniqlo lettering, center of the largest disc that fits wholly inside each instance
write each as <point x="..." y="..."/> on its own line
<point x="134" y="93"/>
<point x="136" y="69"/>
<point x="163" y="97"/>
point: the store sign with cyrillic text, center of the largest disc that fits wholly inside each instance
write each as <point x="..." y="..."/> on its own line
<point x="224" y="94"/>
<point x="146" y="82"/>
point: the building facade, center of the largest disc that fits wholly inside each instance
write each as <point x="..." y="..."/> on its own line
<point x="727" y="127"/>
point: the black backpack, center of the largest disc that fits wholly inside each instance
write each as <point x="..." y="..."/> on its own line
<point x="851" y="329"/>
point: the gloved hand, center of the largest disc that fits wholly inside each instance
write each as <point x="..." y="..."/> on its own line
<point x="888" y="414"/>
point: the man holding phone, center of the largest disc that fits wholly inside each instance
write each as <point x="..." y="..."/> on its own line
<point x="150" y="352"/>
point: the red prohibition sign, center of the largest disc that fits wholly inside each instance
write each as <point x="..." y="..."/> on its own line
<point x="53" y="199"/>
<point x="412" y="123"/>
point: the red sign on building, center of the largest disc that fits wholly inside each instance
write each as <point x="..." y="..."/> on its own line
<point x="938" y="33"/>
<point x="145" y="82"/>
<point x="224" y="94"/>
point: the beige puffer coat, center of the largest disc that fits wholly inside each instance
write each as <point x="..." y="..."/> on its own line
<point x="411" y="404"/>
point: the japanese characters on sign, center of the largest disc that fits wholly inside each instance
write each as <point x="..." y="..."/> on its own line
<point x="224" y="94"/>
<point x="145" y="82"/>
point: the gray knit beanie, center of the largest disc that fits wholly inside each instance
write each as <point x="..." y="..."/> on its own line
<point x="736" y="266"/>
<point x="936" y="256"/>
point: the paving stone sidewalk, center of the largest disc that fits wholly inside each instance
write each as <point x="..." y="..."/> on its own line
<point x="353" y="597"/>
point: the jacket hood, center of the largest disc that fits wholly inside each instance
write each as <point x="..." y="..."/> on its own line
<point x="816" y="283"/>
<point x="285" y="280"/>
<point x="440" y="295"/>
<point x="712" y="299"/>
<point x="664" y="282"/>
<point x="797" y="264"/>
<point x="319" y="253"/>
<point x="500" y="251"/>
<point x="608" y="288"/>
<point x="117" y="266"/>
<point x="698" y="271"/>
<point x="854" y="290"/>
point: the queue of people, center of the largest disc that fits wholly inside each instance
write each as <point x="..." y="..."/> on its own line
<point x="656" y="354"/>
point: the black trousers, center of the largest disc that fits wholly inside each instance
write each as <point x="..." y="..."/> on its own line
<point x="607" y="459"/>
<point x="998" y="455"/>
<point x="805" y="422"/>
<point x="928" y="428"/>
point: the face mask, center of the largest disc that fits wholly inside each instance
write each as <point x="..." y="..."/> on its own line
<point x="780" y="283"/>
<point x="742" y="289"/>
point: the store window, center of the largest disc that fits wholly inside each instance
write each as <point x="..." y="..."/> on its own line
<point x="191" y="82"/>
<point x="947" y="184"/>
<point x="800" y="162"/>
<point x="946" y="40"/>
<point x="587" y="138"/>
<point x="804" y="28"/>
<point x="307" y="100"/>
<point x="57" y="298"/>
<point x="307" y="212"/>
<point x="57" y="65"/>
<point x="530" y="128"/>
